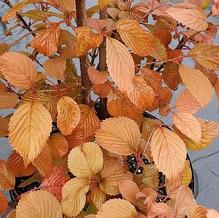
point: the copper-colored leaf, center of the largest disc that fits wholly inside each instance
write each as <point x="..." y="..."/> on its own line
<point x="29" y="129"/>
<point x="128" y="189"/>
<point x="187" y="103"/>
<point x="68" y="115"/>
<point x="199" y="212"/>
<point x="46" y="42"/>
<point x="119" y="135"/>
<point x="38" y="204"/>
<point x="3" y="127"/>
<point x="18" y="69"/>
<point x="74" y="196"/>
<point x="188" y="125"/>
<point x="97" y="77"/>
<point x="55" y="182"/>
<point x="55" y="67"/>
<point x="102" y="90"/>
<point x="44" y="162"/>
<point x="197" y="84"/>
<point x="3" y="203"/>
<point x="165" y="143"/>
<point x="110" y="175"/>
<point x="117" y="208"/>
<point x="142" y="95"/>
<point x="207" y="55"/>
<point x="120" y="64"/>
<point x="192" y="17"/>
<point x="64" y="5"/>
<point x="58" y="145"/>
<point x="141" y="42"/>
<point x="16" y="164"/>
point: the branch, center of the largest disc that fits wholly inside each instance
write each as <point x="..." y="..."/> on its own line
<point x="85" y="81"/>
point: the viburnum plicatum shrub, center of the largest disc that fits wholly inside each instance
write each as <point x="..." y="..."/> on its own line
<point x="81" y="146"/>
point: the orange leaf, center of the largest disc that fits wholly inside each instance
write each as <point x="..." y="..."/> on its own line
<point x="117" y="208"/>
<point x="44" y="161"/>
<point x="119" y="105"/>
<point x="7" y="99"/>
<point x="65" y="5"/>
<point x="129" y="189"/>
<point x="199" y="212"/>
<point x="120" y="64"/>
<point x="186" y="103"/>
<point x="58" y="145"/>
<point x="55" y="67"/>
<point x="102" y="90"/>
<point x="90" y="158"/>
<point x="189" y="15"/>
<point x="18" y="69"/>
<point x="119" y="135"/>
<point x="86" y="40"/>
<point x="31" y="124"/>
<point x="141" y="42"/>
<point x="197" y="84"/>
<point x="55" y="182"/>
<point x="188" y="125"/>
<point x="97" y="77"/>
<point x="68" y="115"/>
<point x="46" y="42"/>
<point x="97" y="197"/>
<point x="38" y="204"/>
<point x="142" y="95"/>
<point x="165" y="143"/>
<point x="207" y="55"/>
<point x="7" y="178"/>
<point x="16" y="164"/>
<point x="160" y="210"/>
<point x="3" y="203"/>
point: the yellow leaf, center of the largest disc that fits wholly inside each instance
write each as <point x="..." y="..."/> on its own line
<point x="86" y="40"/>
<point x="68" y="115"/>
<point x="3" y="127"/>
<point x="17" y="7"/>
<point x="37" y="204"/>
<point x="7" y="178"/>
<point x="3" y="48"/>
<point x="58" y="145"/>
<point x="44" y="161"/>
<point x="117" y="208"/>
<point x="120" y="105"/>
<point x="149" y="177"/>
<point x="102" y="3"/>
<point x="209" y="131"/>
<point x="90" y="158"/>
<point x="74" y="196"/>
<point x="187" y="174"/>
<point x="55" y="67"/>
<point x="119" y="135"/>
<point x="197" y="84"/>
<point x="29" y="129"/>
<point x="142" y="95"/>
<point x="187" y="103"/>
<point x="141" y="42"/>
<point x="16" y="164"/>
<point x="46" y="42"/>
<point x="18" y="69"/>
<point x="120" y="64"/>
<point x="188" y="125"/>
<point x="192" y="17"/>
<point x="207" y="55"/>
<point x="165" y="143"/>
